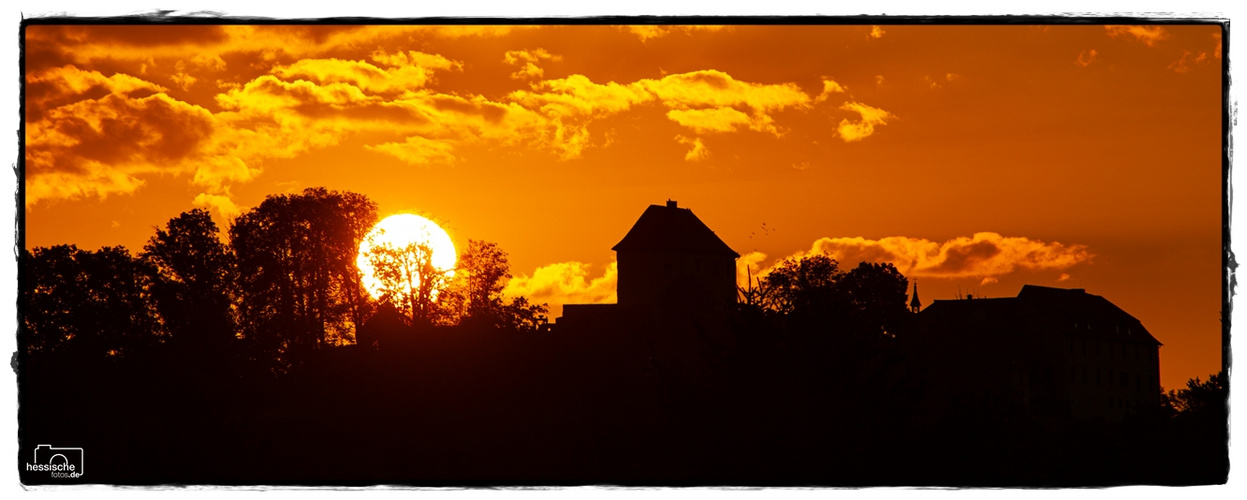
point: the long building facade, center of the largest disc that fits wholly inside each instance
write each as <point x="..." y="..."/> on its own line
<point x="1049" y="352"/>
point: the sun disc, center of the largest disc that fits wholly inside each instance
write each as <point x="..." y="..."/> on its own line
<point x="396" y="232"/>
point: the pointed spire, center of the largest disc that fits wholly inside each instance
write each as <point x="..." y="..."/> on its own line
<point x="915" y="304"/>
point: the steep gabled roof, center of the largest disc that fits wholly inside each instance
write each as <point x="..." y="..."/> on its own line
<point x="670" y="228"/>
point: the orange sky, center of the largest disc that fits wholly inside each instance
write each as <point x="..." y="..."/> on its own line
<point x="977" y="158"/>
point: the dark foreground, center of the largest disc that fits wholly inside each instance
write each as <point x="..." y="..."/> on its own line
<point x="491" y="408"/>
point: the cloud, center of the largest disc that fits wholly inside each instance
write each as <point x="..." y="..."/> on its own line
<point x="829" y="87"/>
<point x="558" y="112"/>
<point x="565" y="283"/>
<point x="698" y="152"/>
<point x="1184" y="63"/>
<point x="648" y="31"/>
<point x="414" y="58"/>
<point x="139" y="44"/>
<point x="527" y="61"/>
<point x="58" y="86"/>
<point x="220" y="203"/>
<point x="850" y="130"/>
<point x="948" y="77"/>
<point x="365" y="77"/>
<point x="749" y="268"/>
<point x="1085" y="58"/>
<point x="1149" y="35"/>
<point x="984" y="255"/>
<point x="92" y="135"/>
<point x="97" y="147"/>
<point x="706" y="101"/>
<point x="710" y="120"/>
<point x="577" y="95"/>
<point x="418" y="150"/>
<point x="713" y="88"/>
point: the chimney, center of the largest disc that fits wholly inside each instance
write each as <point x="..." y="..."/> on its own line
<point x="671" y="204"/>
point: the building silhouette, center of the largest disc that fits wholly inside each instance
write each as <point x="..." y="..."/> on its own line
<point x="668" y="254"/>
<point x="1049" y="352"/>
<point x="670" y="263"/>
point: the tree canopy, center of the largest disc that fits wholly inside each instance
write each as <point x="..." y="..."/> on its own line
<point x="193" y="280"/>
<point x="299" y="287"/>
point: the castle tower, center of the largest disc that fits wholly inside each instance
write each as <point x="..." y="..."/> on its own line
<point x="670" y="254"/>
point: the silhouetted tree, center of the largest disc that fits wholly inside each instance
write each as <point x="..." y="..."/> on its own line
<point x="408" y="278"/>
<point x="89" y="304"/>
<point x="1197" y="447"/>
<point x="298" y="282"/>
<point x="1200" y="399"/>
<point x="193" y="280"/>
<point x="803" y="285"/>
<point x="876" y="295"/>
<point x="483" y="272"/>
<point x="519" y="315"/>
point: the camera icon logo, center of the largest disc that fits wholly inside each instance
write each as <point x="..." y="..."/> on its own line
<point x="59" y="462"/>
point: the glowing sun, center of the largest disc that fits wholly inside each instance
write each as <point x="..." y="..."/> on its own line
<point x="405" y="233"/>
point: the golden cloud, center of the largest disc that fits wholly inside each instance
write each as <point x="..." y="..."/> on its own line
<point x="713" y="88"/>
<point x="527" y="60"/>
<point x="749" y="268"/>
<point x="220" y="203"/>
<point x="648" y="31"/>
<point x="1085" y="58"/>
<point x="1184" y="63"/>
<point x="709" y="120"/>
<point x="359" y="74"/>
<point x="564" y="108"/>
<point x="63" y="85"/>
<point x="850" y="130"/>
<point x="418" y="150"/>
<point x="565" y="283"/>
<point x="577" y="95"/>
<point x="698" y="152"/>
<point x="984" y="255"/>
<point x="705" y="101"/>
<point x="316" y="102"/>
<point x="1149" y="35"/>
<point x="829" y="87"/>
<point x="99" y="146"/>
<point x="415" y="58"/>
<point x="142" y="45"/>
